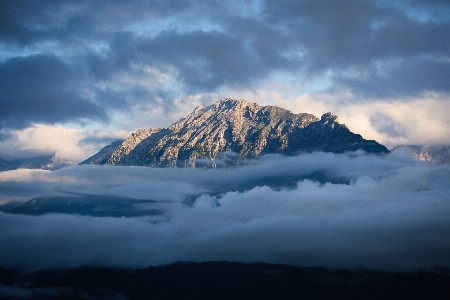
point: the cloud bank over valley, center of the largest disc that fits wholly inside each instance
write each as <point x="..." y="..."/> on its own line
<point x="321" y="209"/>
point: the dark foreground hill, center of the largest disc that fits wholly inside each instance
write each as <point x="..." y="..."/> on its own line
<point x="231" y="130"/>
<point x="223" y="280"/>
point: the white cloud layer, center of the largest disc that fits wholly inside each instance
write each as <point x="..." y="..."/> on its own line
<point x="386" y="213"/>
<point x="72" y="145"/>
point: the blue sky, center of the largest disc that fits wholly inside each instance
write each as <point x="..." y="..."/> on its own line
<point x="76" y="75"/>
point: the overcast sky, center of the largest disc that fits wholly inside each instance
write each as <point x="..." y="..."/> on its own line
<point x="77" y="75"/>
<point x="84" y="73"/>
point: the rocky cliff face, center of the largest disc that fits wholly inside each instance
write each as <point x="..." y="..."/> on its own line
<point x="103" y="156"/>
<point x="231" y="130"/>
<point x="131" y="151"/>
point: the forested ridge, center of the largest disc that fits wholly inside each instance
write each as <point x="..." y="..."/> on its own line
<point x="226" y="280"/>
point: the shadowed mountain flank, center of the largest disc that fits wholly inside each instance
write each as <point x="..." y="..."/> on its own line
<point x="88" y="205"/>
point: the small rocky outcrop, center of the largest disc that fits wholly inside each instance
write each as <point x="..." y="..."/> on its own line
<point x="437" y="154"/>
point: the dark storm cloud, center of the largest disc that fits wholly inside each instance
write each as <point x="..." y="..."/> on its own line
<point x="358" y="36"/>
<point x="392" y="215"/>
<point x="61" y="83"/>
<point x="106" y="49"/>
<point x="401" y="80"/>
<point x="349" y="33"/>
<point x="25" y="22"/>
<point x="207" y="60"/>
<point x="43" y="89"/>
<point x="121" y="52"/>
<point x="333" y="34"/>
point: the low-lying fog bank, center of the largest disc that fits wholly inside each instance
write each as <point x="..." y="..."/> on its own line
<point x="320" y="209"/>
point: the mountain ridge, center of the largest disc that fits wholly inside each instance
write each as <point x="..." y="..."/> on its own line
<point x="230" y="130"/>
<point x="436" y="154"/>
<point x="43" y="162"/>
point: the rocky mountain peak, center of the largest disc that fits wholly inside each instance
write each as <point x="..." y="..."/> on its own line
<point x="240" y="127"/>
<point x="228" y="103"/>
<point x="330" y="120"/>
<point x="329" y="117"/>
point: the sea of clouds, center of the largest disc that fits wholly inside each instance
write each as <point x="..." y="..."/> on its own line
<point x="320" y="209"/>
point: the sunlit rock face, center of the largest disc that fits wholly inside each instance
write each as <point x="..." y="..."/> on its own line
<point x="230" y="130"/>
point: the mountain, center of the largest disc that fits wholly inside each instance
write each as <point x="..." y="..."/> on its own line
<point x="231" y="130"/>
<point x="438" y="154"/>
<point x="87" y="205"/>
<point x="44" y="162"/>
<point x="103" y="155"/>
